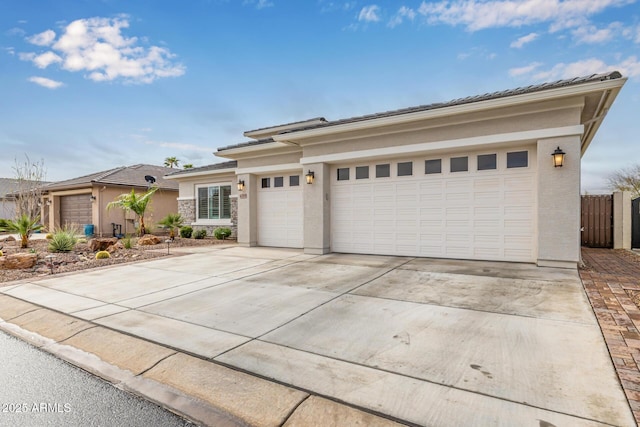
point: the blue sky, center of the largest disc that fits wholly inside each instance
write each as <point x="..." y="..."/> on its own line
<point x="90" y="85"/>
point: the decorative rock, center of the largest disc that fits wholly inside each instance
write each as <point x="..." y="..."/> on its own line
<point x="112" y="248"/>
<point x="19" y="261"/>
<point x="101" y="243"/>
<point x="148" y="240"/>
<point x="9" y="239"/>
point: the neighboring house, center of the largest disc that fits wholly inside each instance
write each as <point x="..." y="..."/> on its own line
<point x="472" y="178"/>
<point x="8" y="189"/>
<point x="7" y="201"/>
<point x="84" y="200"/>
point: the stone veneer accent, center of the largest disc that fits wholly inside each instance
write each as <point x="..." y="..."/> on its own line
<point x="187" y="208"/>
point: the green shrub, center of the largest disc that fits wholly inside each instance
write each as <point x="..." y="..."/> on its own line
<point x="103" y="255"/>
<point x="186" y="232"/>
<point x="82" y="240"/>
<point x="127" y="242"/>
<point x="49" y="236"/>
<point x="63" y="239"/>
<point x="200" y="234"/>
<point x="222" y="233"/>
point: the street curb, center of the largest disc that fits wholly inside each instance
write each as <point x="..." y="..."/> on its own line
<point x="299" y="405"/>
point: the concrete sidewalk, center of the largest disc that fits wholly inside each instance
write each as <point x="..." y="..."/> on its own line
<point x="271" y="337"/>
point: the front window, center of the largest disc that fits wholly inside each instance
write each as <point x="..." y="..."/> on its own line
<point x="214" y="202"/>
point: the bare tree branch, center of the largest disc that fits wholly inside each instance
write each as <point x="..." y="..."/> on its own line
<point x="30" y="178"/>
<point x="626" y="179"/>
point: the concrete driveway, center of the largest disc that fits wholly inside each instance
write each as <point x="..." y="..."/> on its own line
<point x="429" y="342"/>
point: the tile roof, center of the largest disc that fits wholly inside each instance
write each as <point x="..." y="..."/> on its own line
<point x="130" y="176"/>
<point x="247" y="144"/>
<point x="9" y="186"/>
<point x="216" y="166"/>
<point x="459" y="101"/>
<point x="322" y="119"/>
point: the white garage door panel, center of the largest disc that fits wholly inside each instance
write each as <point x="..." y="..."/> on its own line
<point x="280" y="217"/>
<point x="481" y="215"/>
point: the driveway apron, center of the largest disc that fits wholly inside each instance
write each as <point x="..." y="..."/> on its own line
<point x="428" y="342"/>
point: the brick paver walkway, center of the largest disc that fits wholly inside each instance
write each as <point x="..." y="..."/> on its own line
<point x="607" y="278"/>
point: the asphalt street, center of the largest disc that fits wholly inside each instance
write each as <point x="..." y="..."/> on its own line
<point x="38" y="389"/>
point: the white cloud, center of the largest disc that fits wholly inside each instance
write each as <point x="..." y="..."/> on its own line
<point x="15" y="32"/>
<point x="629" y="67"/>
<point x="524" y="40"/>
<point x="264" y="3"/>
<point x="369" y="14"/>
<point x="480" y="14"/>
<point x="43" y="81"/>
<point x="43" y="39"/>
<point x="46" y="59"/>
<point x="10" y="50"/>
<point x="591" y="34"/>
<point x="98" y="47"/>
<point x="402" y="14"/>
<point x="260" y="4"/>
<point x="528" y="69"/>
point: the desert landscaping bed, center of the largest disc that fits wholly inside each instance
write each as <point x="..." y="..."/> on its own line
<point x="82" y="257"/>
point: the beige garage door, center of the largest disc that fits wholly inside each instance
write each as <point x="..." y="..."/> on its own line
<point x="466" y="206"/>
<point x="75" y="209"/>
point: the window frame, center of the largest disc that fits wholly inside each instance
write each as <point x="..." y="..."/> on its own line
<point x="516" y="152"/>
<point x="388" y="165"/>
<point x="213" y="221"/>
<point x="495" y="162"/>
<point x="426" y="172"/>
<point x="362" y="168"/>
<point x="342" y="178"/>
<point x="461" y="170"/>
<point x="410" y="163"/>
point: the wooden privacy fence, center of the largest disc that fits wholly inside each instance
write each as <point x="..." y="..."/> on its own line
<point x="597" y="221"/>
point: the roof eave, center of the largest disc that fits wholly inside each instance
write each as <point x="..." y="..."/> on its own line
<point x="232" y="153"/>
<point x="544" y="95"/>
<point x="200" y="173"/>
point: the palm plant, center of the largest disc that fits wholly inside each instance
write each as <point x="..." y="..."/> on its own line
<point x="136" y="203"/>
<point x="24" y="225"/>
<point x="170" y="162"/>
<point x="172" y="221"/>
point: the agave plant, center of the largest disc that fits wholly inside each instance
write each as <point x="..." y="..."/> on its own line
<point x="23" y="225"/>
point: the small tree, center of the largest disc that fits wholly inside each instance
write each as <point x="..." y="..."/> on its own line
<point x="136" y="203"/>
<point x="24" y="225"/>
<point x="172" y="221"/>
<point x="187" y="166"/>
<point x="626" y="179"/>
<point x="170" y="162"/>
<point x="28" y="192"/>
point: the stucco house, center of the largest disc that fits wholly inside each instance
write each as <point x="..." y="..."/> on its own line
<point x="473" y="178"/>
<point x="7" y="201"/>
<point x="83" y="200"/>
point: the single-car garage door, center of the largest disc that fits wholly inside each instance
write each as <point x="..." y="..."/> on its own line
<point x="467" y="206"/>
<point x="280" y="211"/>
<point x="75" y="209"/>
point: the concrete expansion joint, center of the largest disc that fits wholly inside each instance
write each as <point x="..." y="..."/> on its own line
<point x="189" y="400"/>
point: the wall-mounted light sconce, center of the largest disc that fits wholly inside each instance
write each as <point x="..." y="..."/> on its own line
<point x="241" y="185"/>
<point x="558" y="157"/>
<point x="310" y="177"/>
<point x="93" y="198"/>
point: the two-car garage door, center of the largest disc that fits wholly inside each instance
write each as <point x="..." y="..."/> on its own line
<point x="478" y="206"/>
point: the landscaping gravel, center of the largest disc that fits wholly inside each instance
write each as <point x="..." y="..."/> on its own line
<point x="81" y="258"/>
